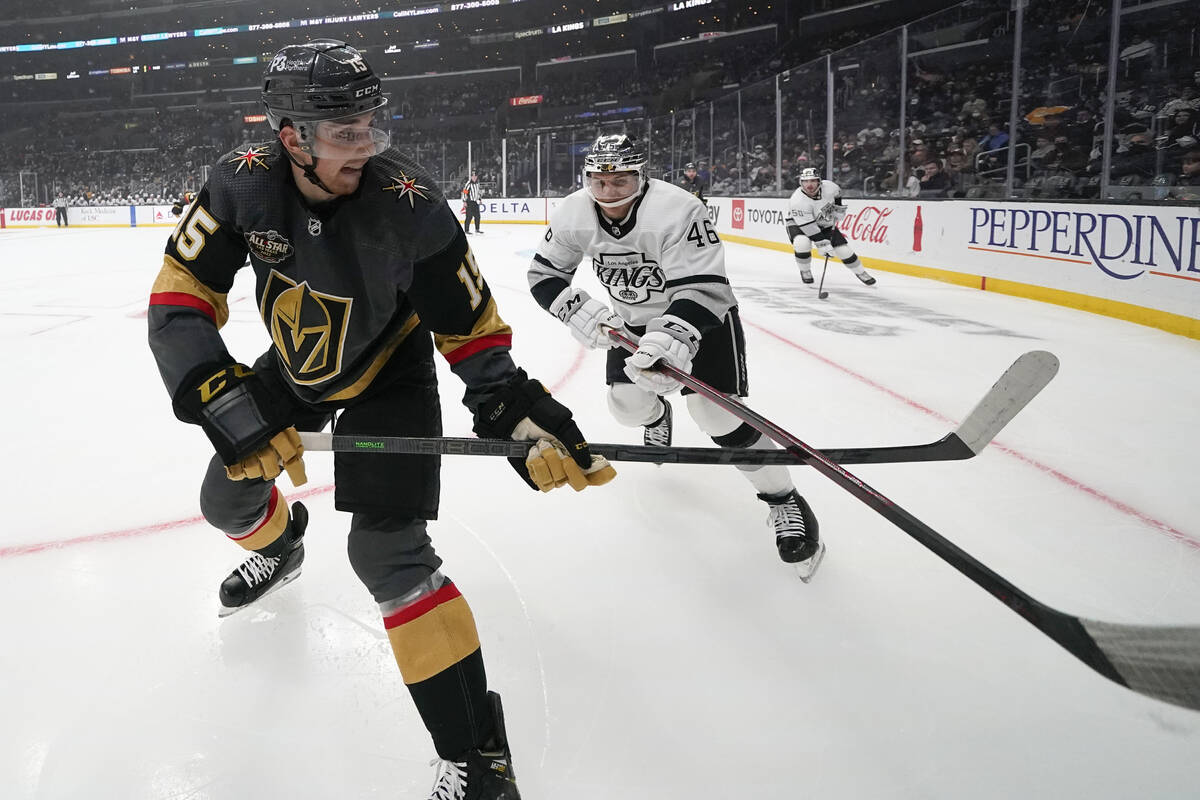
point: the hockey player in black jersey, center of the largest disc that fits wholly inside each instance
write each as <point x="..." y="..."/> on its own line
<point x="361" y="271"/>
<point x="693" y="183"/>
<point x="183" y="202"/>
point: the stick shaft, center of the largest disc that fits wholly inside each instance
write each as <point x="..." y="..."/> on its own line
<point x="948" y="448"/>
<point x="1066" y="630"/>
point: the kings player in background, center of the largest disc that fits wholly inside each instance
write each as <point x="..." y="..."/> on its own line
<point x="654" y="250"/>
<point x="814" y="211"/>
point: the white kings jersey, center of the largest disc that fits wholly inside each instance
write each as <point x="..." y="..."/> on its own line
<point x="804" y="212"/>
<point x="664" y="255"/>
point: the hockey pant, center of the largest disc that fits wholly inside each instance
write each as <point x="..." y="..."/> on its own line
<point x="802" y="245"/>
<point x="472" y="214"/>
<point x="721" y="363"/>
<point x="428" y="622"/>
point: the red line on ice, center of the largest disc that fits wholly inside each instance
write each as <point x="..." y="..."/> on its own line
<point x="1092" y="492"/>
<point x="131" y="533"/>
<point x="160" y="527"/>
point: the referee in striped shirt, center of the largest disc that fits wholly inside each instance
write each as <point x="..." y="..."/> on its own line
<point x="472" y="194"/>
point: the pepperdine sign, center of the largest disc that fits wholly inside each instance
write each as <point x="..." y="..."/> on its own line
<point x="1122" y="244"/>
<point x="1140" y="255"/>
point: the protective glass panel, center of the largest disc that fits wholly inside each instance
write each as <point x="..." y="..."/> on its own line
<point x="446" y="161"/>
<point x="520" y="177"/>
<point x="758" y="133"/>
<point x="1156" y="124"/>
<point x="804" y="100"/>
<point x="658" y="144"/>
<point x="486" y="163"/>
<point x="1060" y="129"/>
<point x="563" y="152"/>
<point x="958" y="101"/>
<point x="866" y="110"/>
<point x="728" y="146"/>
<point x="702" y="142"/>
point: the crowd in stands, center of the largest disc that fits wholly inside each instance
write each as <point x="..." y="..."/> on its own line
<point x="955" y="138"/>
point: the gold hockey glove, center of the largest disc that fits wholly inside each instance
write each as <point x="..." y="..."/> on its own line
<point x="559" y="455"/>
<point x="283" y="452"/>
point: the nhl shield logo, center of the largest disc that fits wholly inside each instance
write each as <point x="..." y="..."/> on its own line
<point x="314" y="226"/>
<point x="269" y="246"/>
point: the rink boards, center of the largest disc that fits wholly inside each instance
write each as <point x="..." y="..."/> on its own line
<point x="1133" y="262"/>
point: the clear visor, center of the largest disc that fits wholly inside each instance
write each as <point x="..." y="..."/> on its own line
<point x="612" y="186"/>
<point x="346" y="138"/>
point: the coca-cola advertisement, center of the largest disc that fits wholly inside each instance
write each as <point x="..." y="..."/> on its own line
<point x="867" y="223"/>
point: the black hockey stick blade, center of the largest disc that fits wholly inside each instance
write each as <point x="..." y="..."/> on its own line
<point x="1157" y="661"/>
<point x="1019" y="384"/>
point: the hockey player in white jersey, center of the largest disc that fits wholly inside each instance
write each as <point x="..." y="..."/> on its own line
<point x="814" y="211"/>
<point x="654" y="250"/>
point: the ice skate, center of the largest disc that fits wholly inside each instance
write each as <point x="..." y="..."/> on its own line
<point x="259" y="575"/>
<point x="482" y="774"/>
<point x="796" y="532"/>
<point x="658" y="433"/>
<point x="806" y="275"/>
<point x="865" y="277"/>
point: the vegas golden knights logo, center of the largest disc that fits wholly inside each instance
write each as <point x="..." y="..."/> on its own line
<point x="307" y="327"/>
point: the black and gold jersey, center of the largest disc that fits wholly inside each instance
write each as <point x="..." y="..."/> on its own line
<point x="339" y="286"/>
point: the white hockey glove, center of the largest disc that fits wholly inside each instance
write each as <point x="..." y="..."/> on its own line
<point x="824" y="246"/>
<point x="668" y="340"/>
<point x="838" y="213"/>
<point x="588" y="319"/>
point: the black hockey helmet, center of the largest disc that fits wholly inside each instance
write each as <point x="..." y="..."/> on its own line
<point x="319" y="80"/>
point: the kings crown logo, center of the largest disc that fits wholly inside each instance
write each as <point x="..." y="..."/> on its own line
<point x="629" y="277"/>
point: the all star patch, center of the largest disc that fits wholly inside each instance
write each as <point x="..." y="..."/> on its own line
<point x="269" y="246"/>
<point x="404" y="185"/>
<point x="250" y="158"/>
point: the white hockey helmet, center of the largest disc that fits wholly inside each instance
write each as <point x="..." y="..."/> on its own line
<point x="810" y="181"/>
<point x="614" y="153"/>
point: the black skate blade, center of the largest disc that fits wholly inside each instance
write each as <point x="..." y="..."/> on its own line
<point x="807" y="568"/>
<point x="226" y="611"/>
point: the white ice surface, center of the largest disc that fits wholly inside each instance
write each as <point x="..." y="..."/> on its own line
<point x="646" y="639"/>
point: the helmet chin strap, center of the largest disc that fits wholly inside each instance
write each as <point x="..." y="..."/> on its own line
<point x="310" y="171"/>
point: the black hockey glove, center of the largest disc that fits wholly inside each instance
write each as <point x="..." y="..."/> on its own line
<point x="524" y="410"/>
<point x="242" y="420"/>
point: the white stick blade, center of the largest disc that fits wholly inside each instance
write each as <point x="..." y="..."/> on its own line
<point x="1019" y="384"/>
<point x="1158" y="661"/>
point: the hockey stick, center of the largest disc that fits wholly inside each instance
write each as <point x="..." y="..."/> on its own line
<point x="1019" y="384"/>
<point x="1157" y="661"/>
<point x="820" y="294"/>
